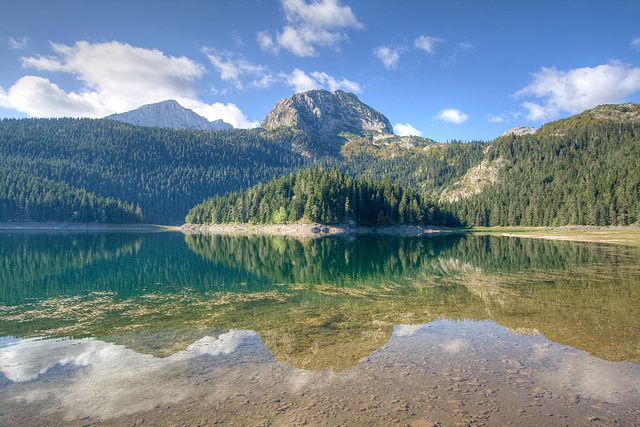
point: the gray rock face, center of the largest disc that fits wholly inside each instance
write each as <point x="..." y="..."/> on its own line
<point x="320" y="112"/>
<point x="168" y="114"/>
<point x="519" y="131"/>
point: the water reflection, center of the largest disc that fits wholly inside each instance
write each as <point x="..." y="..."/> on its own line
<point x="317" y="304"/>
<point x="429" y="366"/>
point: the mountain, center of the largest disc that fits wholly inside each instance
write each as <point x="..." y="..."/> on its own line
<point x="580" y="170"/>
<point x="168" y="114"/>
<point x="90" y="170"/>
<point x="520" y="130"/>
<point x="325" y="114"/>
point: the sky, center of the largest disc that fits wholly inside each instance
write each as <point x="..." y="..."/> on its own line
<point x="465" y="70"/>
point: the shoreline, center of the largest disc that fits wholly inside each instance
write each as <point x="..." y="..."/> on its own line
<point x="84" y="227"/>
<point x="624" y="235"/>
<point x="615" y="235"/>
<point x="311" y="230"/>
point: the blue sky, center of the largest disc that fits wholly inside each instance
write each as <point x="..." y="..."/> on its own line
<point x="447" y="69"/>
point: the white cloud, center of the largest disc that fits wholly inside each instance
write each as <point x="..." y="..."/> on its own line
<point x="4" y="99"/>
<point x="496" y="118"/>
<point x="302" y="82"/>
<point x="266" y="42"/>
<point x="228" y="112"/>
<point x="309" y="26"/>
<point x="388" y="55"/>
<point x="578" y="89"/>
<point x="114" y="77"/>
<point x="452" y="115"/>
<point x="427" y="43"/>
<point x="335" y="84"/>
<point x="39" y="97"/>
<point x="233" y="69"/>
<point x="18" y="43"/>
<point x="454" y="56"/>
<point x="635" y="43"/>
<point x="406" y="129"/>
<point x="320" y="13"/>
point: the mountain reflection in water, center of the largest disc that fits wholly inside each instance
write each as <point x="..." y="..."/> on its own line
<point x="316" y="304"/>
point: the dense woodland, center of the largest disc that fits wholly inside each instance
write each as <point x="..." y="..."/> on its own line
<point x="321" y="195"/>
<point x="570" y="172"/>
<point x="58" y="167"/>
<point x="427" y="170"/>
<point x="581" y="170"/>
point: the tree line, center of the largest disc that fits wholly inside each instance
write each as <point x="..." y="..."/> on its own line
<point x="321" y="195"/>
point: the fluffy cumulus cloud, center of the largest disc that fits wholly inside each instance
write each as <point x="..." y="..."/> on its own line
<point x="406" y="129"/>
<point x="578" y="89"/>
<point x="427" y="43"/>
<point x="389" y="56"/>
<point x="310" y="26"/>
<point x="302" y="82"/>
<point x="452" y="115"/>
<point x="238" y="71"/>
<point x="635" y="43"/>
<point x="113" y="77"/>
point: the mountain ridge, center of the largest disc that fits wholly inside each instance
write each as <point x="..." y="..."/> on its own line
<point x="326" y="114"/>
<point x="168" y="114"/>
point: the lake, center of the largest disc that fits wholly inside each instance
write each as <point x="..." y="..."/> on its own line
<point x="172" y="329"/>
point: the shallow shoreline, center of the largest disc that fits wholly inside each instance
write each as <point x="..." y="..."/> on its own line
<point x="310" y="230"/>
<point x="83" y="227"/>
<point x="614" y="235"/>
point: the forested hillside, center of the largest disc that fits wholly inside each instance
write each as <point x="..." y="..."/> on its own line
<point x="102" y="170"/>
<point x="420" y="163"/>
<point x="581" y="170"/>
<point x="321" y="195"/>
<point x="24" y="197"/>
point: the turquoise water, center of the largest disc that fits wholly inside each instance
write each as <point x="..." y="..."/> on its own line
<point x="162" y="302"/>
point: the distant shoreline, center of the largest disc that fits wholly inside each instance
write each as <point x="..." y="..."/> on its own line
<point x="616" y="235"/>
<point x="628" y="235"/>
<point x="83" y="227"/>
<point x="310" y="230"/>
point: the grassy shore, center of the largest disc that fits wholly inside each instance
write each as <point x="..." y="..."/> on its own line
<point x="628" y="236"/>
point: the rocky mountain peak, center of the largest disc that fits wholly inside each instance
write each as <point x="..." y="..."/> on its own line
<point x="323" y="113"/>
<point x="168" y="114"/>
<point x="520" y="130"/>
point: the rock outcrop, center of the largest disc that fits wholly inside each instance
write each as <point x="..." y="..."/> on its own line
<point x="168" y="114"/>
<point x="322" y="113"/>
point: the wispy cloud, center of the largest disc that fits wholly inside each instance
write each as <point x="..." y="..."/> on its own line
<point x="427" y="43"/>
<point x="496" y="118"/>
<point x="389" y="56"/>
<point x="302" y="82"/>
<point x="458" y="50"/>
<point x="18" y="43"/>
<point x="235" y="69"/>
